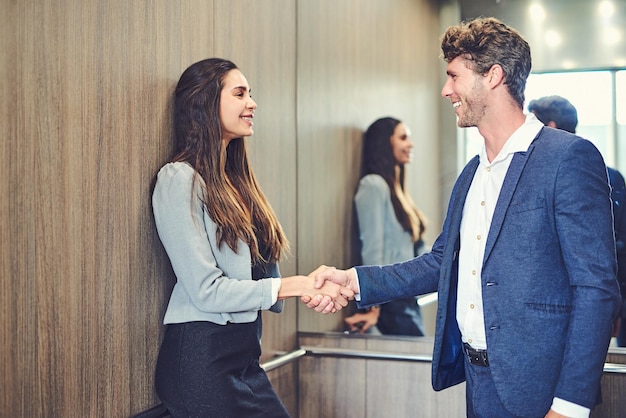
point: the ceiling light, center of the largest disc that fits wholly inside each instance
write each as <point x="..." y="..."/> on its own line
<point x="537" y="12"/>
<point x="611" y="35"/>
<point x="606" y="8"/>
<point x="553" y="38"/>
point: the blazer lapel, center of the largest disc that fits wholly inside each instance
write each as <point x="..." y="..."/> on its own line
<point x="465" y="181"/>
<point x="506" y="193"/>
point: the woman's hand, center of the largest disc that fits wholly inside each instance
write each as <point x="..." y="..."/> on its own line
<point x="332" y="296"/>
<point x="323" y="276"/>
<point x="361" y="322"/>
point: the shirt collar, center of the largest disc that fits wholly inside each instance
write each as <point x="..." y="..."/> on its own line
<point x="519" y="141"/>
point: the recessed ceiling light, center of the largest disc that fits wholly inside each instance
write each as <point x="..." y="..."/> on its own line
<point x="537" y="12"/>
<point x="553" y="38"/>
<point x="611" y="35"/>
<point x="606" y="8"/>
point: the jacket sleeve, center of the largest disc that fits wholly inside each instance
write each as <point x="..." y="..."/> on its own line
<point x="188" y="236"/>
<point x="618" y="197"/>
<point x="585" y="232"/>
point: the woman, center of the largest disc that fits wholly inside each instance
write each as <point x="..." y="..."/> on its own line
<point x="224" y="242"/>
<point x="390" y="225"/>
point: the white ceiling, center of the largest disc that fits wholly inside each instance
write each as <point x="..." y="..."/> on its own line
<point x="563" y="34"/>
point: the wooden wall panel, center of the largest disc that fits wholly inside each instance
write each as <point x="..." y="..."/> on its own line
<point x="86" y="101"/>
<point x="10" y="246"/>
<point x="261" y="39"/>
<point x="613" y="388"/>
<point x="371" y="388"/>
<point x="359" y="60"/>
<point x="332" y="387"/>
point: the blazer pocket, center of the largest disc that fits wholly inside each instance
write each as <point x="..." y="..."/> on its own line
<point x="527" y="205"/>
<point x="548" y="308"/>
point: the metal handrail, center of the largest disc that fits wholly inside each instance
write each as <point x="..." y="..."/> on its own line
<point x="373" y="355"/>
<point x="615" y="368"/>
<point x="422" y="358"/>
<point x="308" y="350"/>
<point x="283" y="359"/>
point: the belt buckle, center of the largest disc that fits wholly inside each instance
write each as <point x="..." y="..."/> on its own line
<point x="476" y="357"/>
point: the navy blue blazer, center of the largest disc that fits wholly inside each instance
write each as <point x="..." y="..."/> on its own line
<point x="548" y="278"/>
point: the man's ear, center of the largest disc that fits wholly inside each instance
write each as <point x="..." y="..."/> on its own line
<point x="495" y="75"/>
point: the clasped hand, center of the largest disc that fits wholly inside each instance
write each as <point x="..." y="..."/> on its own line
<point x="331" y="279"/>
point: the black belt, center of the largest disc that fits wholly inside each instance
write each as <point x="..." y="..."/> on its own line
<point x="476" y="357"/>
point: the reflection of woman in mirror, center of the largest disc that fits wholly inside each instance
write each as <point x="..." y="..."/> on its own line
<point x="390" y="225"/>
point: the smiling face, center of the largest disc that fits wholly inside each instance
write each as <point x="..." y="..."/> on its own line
<point x="236" y="106"/>
<point x="467" y="92"/>
<point x="401" y="144"/>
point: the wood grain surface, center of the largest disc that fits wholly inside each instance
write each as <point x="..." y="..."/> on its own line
<point x="85" y="99"/>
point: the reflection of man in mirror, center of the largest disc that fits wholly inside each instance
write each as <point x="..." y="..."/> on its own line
<point x="558" y="112"/>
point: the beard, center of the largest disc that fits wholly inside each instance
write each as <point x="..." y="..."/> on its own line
<point x="475" y="106"/>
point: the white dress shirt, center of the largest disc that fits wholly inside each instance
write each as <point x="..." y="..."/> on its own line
<point x="477" y="213"/>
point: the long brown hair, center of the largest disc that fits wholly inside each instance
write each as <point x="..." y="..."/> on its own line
<point x="230" y="192"/>
<point x="378" y="158"/>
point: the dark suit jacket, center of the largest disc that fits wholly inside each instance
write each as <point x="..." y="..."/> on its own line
<point x="548" y="278"/>
<point x="618" y="196"/>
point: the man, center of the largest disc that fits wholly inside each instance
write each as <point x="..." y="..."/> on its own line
<point x="558" y="112"/>
<point x="555" y="112"/>
<point x="525" y="264"/>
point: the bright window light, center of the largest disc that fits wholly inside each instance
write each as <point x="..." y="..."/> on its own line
<point x="592" y="93"/>
<point x="620" y="86"/>
<point x="589" y="92"/>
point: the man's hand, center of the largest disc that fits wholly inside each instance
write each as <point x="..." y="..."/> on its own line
<point x="324" y="276"/>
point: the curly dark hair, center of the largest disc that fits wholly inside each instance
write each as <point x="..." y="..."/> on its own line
<point x="485" y="42"/>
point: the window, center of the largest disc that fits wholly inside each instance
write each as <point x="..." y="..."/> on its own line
<point x="620" y="119"/>
<point x="594" y="94"/>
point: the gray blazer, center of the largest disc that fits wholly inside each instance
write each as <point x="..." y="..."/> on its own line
<point x="213" y="283"/>
<point x="383" y="239"/>
<point x="548" y="281"/>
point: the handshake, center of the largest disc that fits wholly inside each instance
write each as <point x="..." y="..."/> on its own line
<point x="331" y="289"/>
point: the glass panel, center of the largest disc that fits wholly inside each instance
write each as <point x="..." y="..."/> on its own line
<point x="620" y="88"/>
<point x="591" y="94"/>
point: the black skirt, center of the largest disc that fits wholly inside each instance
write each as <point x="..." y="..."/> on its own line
<point x="208" y="370"/>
